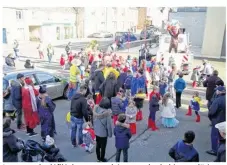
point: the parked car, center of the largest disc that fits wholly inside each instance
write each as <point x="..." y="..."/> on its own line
<point x="101" y="34"/>
<point x="57" y="86"/>
<point x="125" y="36"/>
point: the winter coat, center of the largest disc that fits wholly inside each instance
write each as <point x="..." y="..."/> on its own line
<point x="16" y="92"/>
<point x="217" y="110"/>
<point x="128" y="82"/>
<point x="207" y="69"/>
<point x="116" y="105"/>
<point x="179" y="85"/>
<point x="102" y="122"/>
<point x="139" y="101"/>
<point x="121" y="80"/>
<point x="7" y="102"/>
<point x="46" y="116"/>
<point x="163" y="87"/>
<point x="9" y="61"/>
<point x="169" y="110"/>
<point x="109" y="88"/>
<point x="131" y="114"/>
<point x="79" y="107"/>
<point x="182" y="152"/>
<point x="153" y="105"/>
<point x="210" y="84"/>
<point x="31" y="118"/>
<point x="221" y="154"/>
<point x="98" y="79"/>
<point x="11" y="146"/>
<point x="122" y="135"/>
<point x="195" y="75"/>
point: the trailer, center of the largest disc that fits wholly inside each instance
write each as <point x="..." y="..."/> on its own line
<point x="182" y="59"/>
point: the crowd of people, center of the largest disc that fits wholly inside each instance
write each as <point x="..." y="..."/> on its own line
<point x="107" y="94"/>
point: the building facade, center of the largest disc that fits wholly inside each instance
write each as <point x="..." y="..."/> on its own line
<point x="33" y="24"/>
<point x="110" y="19"/>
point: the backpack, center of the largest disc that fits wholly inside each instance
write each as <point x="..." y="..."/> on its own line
<point x="128" y="82"/>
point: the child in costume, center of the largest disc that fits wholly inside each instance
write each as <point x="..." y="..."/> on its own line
<point x="168" y="112"/>
<point x="62" y="61"/>
<point x="195" y="104"/>
<point x="195" y="76"/>
<point x="128" y="82"/>
<point x="153" y="108"/>
<point x="116" y="106"/>
<point x="155" y="75"/>
<point x="130" y="113"/>
<point x="155" y="91"/>
<point x="139" y="99"/>
<point x="88" y="137"/>
<point x="91" y="105"/>
<point x="163" y="86"/>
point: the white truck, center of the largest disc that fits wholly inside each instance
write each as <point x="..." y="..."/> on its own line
<point x="182" y="59"/>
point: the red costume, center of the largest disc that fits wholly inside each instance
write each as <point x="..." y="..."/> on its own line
<point x="70" y="57"/>
<point x="31" y="118"/>
<point x="62" y="61"/>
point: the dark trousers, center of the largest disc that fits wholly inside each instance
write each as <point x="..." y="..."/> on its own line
<point x="19" y="118"/>
<point x="214" y="138"/>
<point x="178" y="99"/>
<point x="29" y="130"/>
<point x="101" y="143"/>
<point x="125" y="155"/>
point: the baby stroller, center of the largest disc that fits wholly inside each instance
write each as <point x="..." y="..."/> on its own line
<point x="34" y="149"/>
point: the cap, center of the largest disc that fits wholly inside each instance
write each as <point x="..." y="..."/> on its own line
<point x="221" y="127"/>
<point x="42" y="89"/>
<point x="220" y="88"/>
<point x="20" y="76"/>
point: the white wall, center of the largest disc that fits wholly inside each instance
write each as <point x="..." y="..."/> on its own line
<point x="214" y="32"/>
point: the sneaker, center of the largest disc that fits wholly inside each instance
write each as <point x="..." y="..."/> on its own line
<point x="211" y="152"/>
<point x="104" y="160"/>
<point x="28" y="133"/>
<point x="32" y="134"/>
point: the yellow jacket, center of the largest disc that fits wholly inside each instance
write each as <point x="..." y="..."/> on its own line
<point x="74" y="72"/>
<point x="107" y="71"/>
<point x="198" y="100"/>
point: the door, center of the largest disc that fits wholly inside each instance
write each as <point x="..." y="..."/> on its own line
<point x="53" y="87"/>
<point x="4" y="39"/>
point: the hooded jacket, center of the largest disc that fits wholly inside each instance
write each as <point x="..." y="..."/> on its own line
<point x="179" y="85"/>
<point x="121" y="80"/>
<point x="109" y="88"/>
<point x="98" y="79"/>
<point x="79" y="107"/>
<point x="210" y="83"/>
<point x="102" y="122"/>
<point x="122" y="135"/>
<point x="181" y="152"/>
<point x="11" y="146"/>
<point x="16" y="92"/>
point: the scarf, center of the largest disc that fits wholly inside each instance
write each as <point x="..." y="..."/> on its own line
<point x="33" y="98"/>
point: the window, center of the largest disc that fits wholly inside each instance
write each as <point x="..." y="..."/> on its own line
<point x="19" y="14"/>
<point x="114" y="24"/>
<point x="45" y="78"/>
<point x="114" y="12"/>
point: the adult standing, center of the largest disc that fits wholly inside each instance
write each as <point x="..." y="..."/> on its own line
<point x="78" y="111"/>
<point x="171" y="79"/>
<point x="207" y="70"/>
<point x="217" y="114"/>
<point x="16" y="48"/>
<point x="40" y="50"/>
<point x="50" y="52"/>
<point x="210" y="84"/>
<point x="46" y="109"/>
<point x="98" y="79"/>
<point x="74" y="79"/>
<point x="68" y="48"/>
<point x="29" y="94"/>
<point x="17" y="98"/>
<point x="103" y="127"/>
<point x="109" y="87"/>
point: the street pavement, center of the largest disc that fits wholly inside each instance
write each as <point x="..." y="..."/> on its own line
<point x="146" y="146"/>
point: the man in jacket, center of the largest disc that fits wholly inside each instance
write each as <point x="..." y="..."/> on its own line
<point x="210" y="84"/>
<point x="9" y="60"/>
<point x="207" y="70"/>
<point x="179" y="86"/>
<point x="221" y="156"/>
<point x="68" y="48"/>
<point x="11" y="145"/>
<point x="16" y="92"/>
<point x="78" y="111"/>
<point x="217" y="112"/>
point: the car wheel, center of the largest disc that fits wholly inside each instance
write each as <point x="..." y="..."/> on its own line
<point x="65" y="92"/>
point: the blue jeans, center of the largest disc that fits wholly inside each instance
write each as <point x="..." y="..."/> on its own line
<point x="76" y="126"/>
<point x="214" y="138"/>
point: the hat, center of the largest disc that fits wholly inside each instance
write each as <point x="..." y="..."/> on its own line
<point x="76" y="62"/>
<point x="42" y="89"/>
<point x="220" y="88"/>
<point x="19" y="76"/>
<point x="28" y="81"/>
<point x="49" y="140"/>
<point x="221" y="127"/>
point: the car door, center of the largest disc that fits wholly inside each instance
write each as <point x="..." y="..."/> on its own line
<point x="49" y="81"/>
